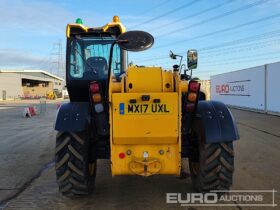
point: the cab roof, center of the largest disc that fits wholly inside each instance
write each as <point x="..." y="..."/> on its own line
<point x="115" y="27"/>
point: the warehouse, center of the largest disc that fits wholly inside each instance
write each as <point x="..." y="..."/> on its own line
<point x="15" y="84"/>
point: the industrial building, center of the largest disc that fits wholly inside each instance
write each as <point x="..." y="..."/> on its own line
<point x="15" y="84"/>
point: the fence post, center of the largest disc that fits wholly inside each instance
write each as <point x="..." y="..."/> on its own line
<point x="265" y="88"/>
<point x="43" y="105"/>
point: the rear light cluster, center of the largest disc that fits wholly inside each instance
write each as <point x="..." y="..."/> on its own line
<point x="96" y="97"/>
<point x="192" y="96"/>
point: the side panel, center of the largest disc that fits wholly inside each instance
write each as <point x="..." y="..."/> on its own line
<point x="73" y="117"/>
<point x="138" y="78"/>
<point x="218" y="122"/>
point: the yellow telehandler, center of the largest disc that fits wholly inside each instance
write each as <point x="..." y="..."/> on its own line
<point x="144" y="119"/>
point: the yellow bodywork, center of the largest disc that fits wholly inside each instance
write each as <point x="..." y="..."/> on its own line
<point x="146" y="134"/>
<point x="145" y="122"/>
<point x="145" y="116"/>
<point x="167" y="163"/>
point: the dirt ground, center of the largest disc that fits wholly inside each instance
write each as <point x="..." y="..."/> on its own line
<point x="27" y="176"/>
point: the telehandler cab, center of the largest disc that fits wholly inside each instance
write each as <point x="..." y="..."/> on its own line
<point x="144" y="119"/>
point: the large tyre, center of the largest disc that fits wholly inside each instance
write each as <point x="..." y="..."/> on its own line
<point x="75" y="172"/>
<point x="211" y="165"/>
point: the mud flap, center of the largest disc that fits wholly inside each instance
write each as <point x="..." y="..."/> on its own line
<point x="73" y="117"/>
<point x="218" y="122"/>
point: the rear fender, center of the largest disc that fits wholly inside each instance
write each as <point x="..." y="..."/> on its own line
<point x="73" y="117"/>
<point x="218" y="122"/>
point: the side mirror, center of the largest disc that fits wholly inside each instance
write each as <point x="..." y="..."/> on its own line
<point x="192" y="59"/>
<point x="135" y="41"/>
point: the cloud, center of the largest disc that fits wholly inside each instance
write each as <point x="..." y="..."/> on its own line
<point x="28" y="30"/>
<point x="11" y="58"/>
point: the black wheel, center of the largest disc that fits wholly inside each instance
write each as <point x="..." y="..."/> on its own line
<point x="211" y="165"/>
<point x="75" y="172"/>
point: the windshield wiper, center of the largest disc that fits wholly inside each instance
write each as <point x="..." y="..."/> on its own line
<point x="85" y="61"/>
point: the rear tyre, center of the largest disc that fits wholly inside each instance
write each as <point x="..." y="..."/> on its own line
<point x="75" y="172"/>
<point x="211" y="165"/>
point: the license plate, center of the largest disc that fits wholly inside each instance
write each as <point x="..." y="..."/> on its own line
<point x="155" y="108"/>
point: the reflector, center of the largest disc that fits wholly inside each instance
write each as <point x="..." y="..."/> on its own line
<point x="121" y="155"/>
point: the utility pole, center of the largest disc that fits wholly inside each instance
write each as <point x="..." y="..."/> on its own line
<point x="59" y="65"/>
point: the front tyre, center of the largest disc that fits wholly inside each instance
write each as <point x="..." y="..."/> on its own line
<point x="75" y="172"/>
<point x="211" y="165"/>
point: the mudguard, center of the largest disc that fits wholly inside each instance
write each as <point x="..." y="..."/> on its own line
<point x="218" y="122"/>
<point x="73" y="117"/>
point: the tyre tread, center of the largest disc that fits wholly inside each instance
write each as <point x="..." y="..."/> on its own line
<point x="72" y="164"/>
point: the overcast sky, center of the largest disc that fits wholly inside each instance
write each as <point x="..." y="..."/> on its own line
<point x="229" y="34"/>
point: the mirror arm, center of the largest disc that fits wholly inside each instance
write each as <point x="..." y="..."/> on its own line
<point x="181" y="67"/>
<point x="109" y="71"/>
<point x="181" y="58"/>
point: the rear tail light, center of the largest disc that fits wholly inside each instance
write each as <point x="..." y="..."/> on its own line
<point x="94" y="87"/>
<point x="96" y="98"/>
<point x="194" y="86"/>
<point x="192" y="97"/>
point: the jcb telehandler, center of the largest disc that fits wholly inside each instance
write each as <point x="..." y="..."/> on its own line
<point x="144" y="119"/>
